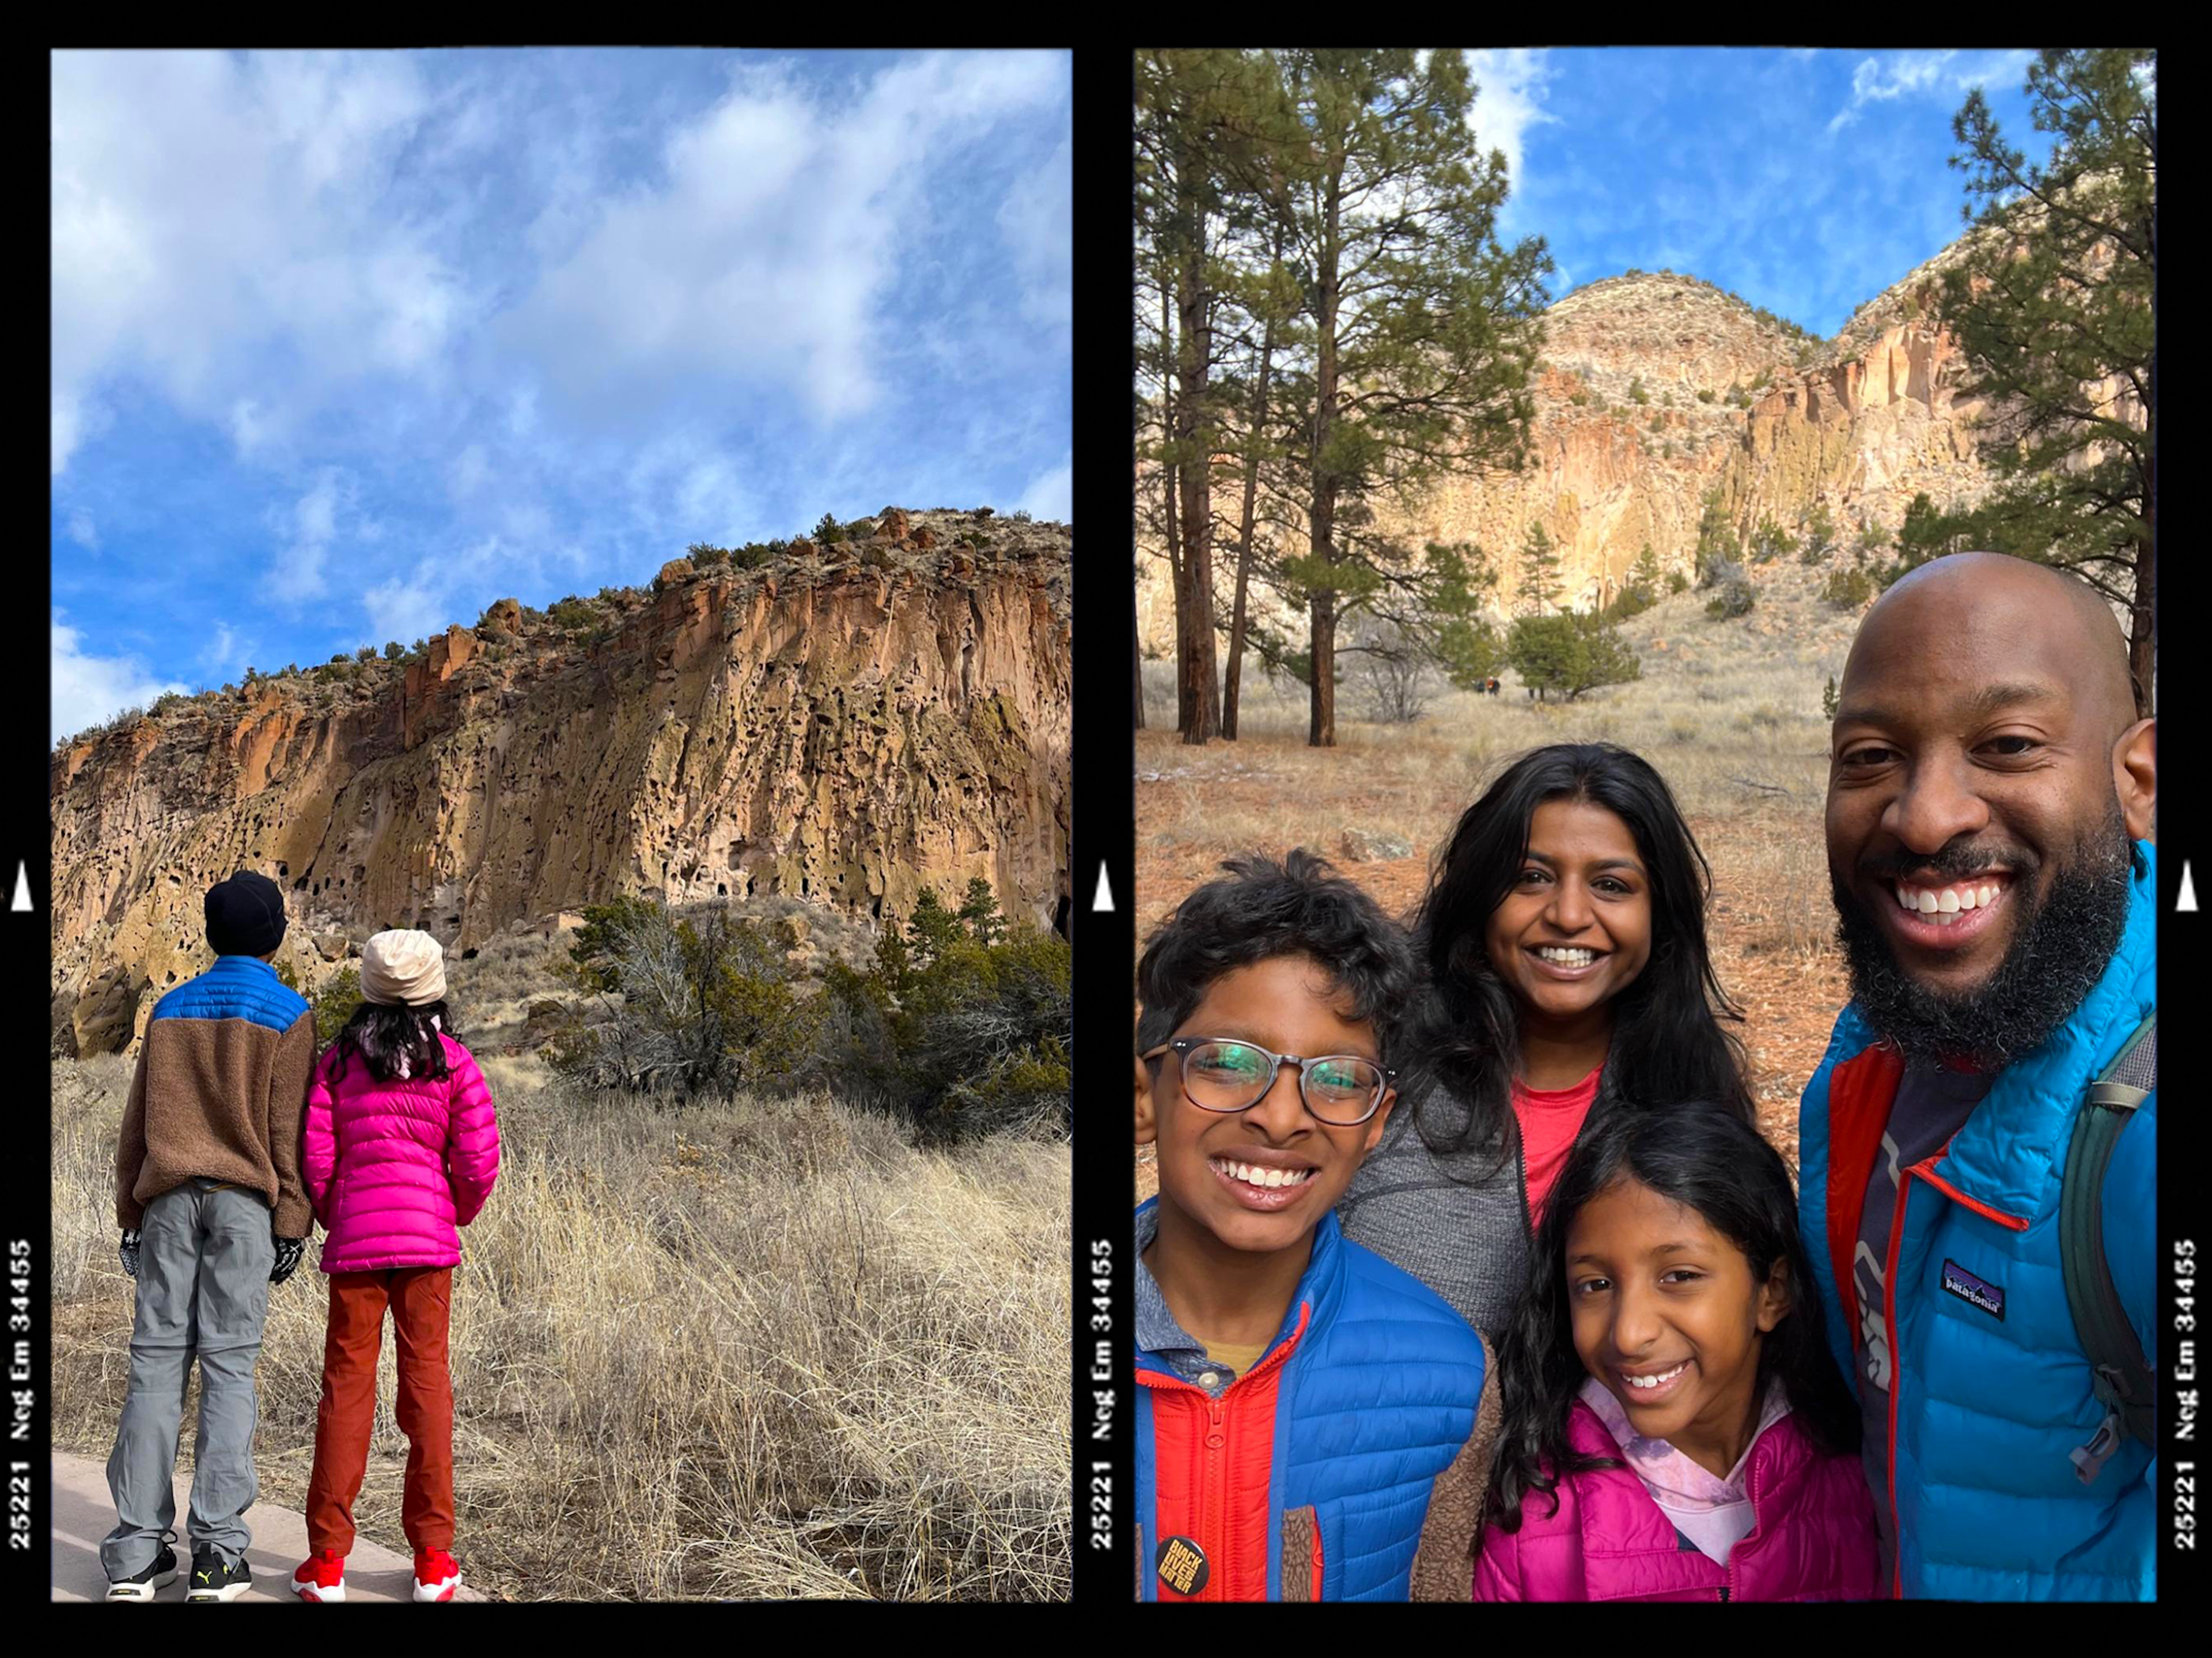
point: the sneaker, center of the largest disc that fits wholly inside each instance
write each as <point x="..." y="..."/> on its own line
<point x="436" y="1576"/>
<point x="141" y="1585"/>
<point x="214" y="1581"/>
<point x="321" y="1577"/>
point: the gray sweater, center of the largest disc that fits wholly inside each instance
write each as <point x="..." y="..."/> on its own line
<point x="1459" y="1223"/>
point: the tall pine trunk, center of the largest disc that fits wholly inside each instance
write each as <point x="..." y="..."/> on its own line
<point x="1137" y="661"/>
<point x="1178" y="574"/>
<point x="1321" y="520"/>
<point x="1230" y="680"/>
<point x="1193" y="445"/>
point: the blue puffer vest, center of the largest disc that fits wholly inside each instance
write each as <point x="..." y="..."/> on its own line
<point x="1374" y="1396"/>
<point x="235" y="988"/>
<point x="1986" y="1407"/>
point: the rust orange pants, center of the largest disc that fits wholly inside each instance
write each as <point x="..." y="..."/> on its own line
<point x="421" y="1300"/>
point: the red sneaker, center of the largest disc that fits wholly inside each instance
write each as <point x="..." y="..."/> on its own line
<point x="436" y="1576"/>
<point x="320" y="1577"/>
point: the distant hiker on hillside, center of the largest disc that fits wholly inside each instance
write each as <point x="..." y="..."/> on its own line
<point x="1991" y="792"/>
<point x="1563" y="945"/>
<point x="208" y="1193"/>
<point x="401" y="1148"/>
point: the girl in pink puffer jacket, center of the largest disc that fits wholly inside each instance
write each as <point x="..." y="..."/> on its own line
<point x="1675" y="1428"/>
<point x="402" y="1149"/>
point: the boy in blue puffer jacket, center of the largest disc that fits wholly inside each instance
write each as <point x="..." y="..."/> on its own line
<point x="1314" y="1423"/>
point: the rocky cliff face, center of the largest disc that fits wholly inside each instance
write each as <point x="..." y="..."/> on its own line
<point x="1730" y="399"/>
<point x="843" y="726"/>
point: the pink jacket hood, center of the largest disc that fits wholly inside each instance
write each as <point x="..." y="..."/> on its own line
<point x="394" y="1167"/>
<point x="1814" y="1539"/>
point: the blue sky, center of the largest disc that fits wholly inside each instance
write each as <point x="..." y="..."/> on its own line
<point x="1806" y="181"/>
<point x="346" y="346"/>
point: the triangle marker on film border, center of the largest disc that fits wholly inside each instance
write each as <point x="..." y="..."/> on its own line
<point x="1104" y="900"/>
<point x="23" y="885"/>
<point x="2183" y="900"/>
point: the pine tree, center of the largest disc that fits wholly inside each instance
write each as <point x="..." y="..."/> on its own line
<point x="2052" y="313"/>
<point x="1716" y="538"/>
<point x="1419" y="333"/>
<point x="1539" y="589"/>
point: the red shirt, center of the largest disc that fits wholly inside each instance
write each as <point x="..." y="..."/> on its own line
<point x="1550" y="1118"/>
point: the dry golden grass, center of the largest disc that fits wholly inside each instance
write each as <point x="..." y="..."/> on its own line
<point x="750" y="1348"/>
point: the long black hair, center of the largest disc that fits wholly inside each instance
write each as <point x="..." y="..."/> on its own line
<point x="1667" y="1040"/>
<point x="384" y="1036"/>
<point x="1706" y="1157"/>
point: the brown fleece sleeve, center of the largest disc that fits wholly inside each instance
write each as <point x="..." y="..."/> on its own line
<point x="130" y="1151"/>
<point x="1444" y="1563"/>
<point x="294" y="1216"/>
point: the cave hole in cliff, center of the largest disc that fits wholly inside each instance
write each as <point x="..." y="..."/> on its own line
<point x="1060" y="917"/>
<point x="467" y="955"/>
<point x="876" y="909"/>
<point x="283" y="868"/>
<point x="722" y="889"/>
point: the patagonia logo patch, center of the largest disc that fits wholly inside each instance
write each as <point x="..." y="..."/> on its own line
<point x="1990" y="1297"/>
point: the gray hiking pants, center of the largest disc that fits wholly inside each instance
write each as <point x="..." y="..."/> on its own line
<point x="203" y="1262"/>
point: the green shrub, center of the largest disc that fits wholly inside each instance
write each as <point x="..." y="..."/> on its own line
<point x="1635" y="393"/>
<point x="1705" y="396"/>
<point x="1732" y="598"/>
<point x="828" y="532"/>
<point x="572" y="613"/>
<point x="1678" y="581"/>
<point x="1848" y="589"/>
<point x="1828" y="698"/>
<point x="1580" y="399"/>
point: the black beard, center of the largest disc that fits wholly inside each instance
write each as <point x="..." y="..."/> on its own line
<point x="2060" y="948"/>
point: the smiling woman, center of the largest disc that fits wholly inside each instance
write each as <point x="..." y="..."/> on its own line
<point x="1567" y="970"/>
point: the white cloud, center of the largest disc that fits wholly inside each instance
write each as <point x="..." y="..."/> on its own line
<point x="768" y="255"/>
<point x="1052" y="493"/>
<point x="297" y="574"/>
<point x="209" y="210"/>
<point x="1511" y="85"/>
<point x="1037" y="220"/>
<point x="1909" y="74"/>
<point x="405" y="608"/>
<point x="90" y="689"/>
<point x="84" y="532"/>
<point x="227" y="650"/>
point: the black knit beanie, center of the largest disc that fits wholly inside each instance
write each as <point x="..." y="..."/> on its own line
<point x="244" y="915"/>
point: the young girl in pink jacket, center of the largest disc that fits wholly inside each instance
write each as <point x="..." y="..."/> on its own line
<point x="401" y="1148"/>
<point x="1674" y="1427"/>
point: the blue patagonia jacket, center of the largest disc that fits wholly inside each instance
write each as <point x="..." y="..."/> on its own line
<point x="1354" y="1445"/>
<point x="221" y="1091"/>
<point x="1985" y="1408"/>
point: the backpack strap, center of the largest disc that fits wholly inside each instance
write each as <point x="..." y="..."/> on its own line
<point x="2122" y="1379"/>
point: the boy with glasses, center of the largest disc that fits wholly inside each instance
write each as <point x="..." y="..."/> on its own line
<point x="1315" y="1424"/>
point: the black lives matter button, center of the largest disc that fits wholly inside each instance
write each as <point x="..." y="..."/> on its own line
<point x="1181" y="1565"/>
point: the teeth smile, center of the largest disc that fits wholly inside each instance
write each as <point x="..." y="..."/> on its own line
<point x="1646" y="1382"/>
<point x="1565" y="957"/>
<point x="1944" y="905"/>
<point x="1253" y="1175"/>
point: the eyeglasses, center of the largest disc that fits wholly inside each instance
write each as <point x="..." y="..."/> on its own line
<point x="1341" y="1090"/>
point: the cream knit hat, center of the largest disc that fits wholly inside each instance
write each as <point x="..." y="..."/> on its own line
<point x="403" y="967"/>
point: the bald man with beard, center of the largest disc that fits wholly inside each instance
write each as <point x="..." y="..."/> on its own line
<point x="1991" y="792"/>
